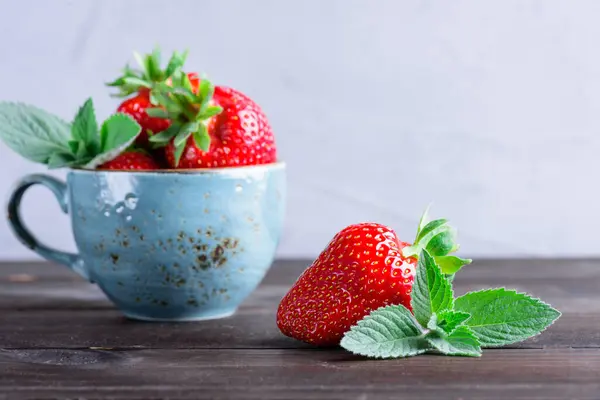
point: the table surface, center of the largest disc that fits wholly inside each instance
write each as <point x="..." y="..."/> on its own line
<point x="59" y="337"/>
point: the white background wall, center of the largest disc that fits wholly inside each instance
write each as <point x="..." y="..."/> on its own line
<point x="491" y="109"/>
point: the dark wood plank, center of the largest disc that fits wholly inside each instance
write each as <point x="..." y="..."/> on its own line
<point x="252" y="328"/>
<point x="52" y="312"/>
<point x="302" y="374"/>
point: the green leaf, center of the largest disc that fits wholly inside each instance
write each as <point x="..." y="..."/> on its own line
<point x="136" y="82"/>
<point x="117" y="130"/>
<point x="182" y="137"/>
<point x="500" y="317"/>
<point x="33" y="133"/>
<point x="461" y="342"/>
<point x="431" y="292"/>
<point x="60" y="160"/>
<point x="162" y="138"/>
<point x="451" y="264"/>
<point x="211" y="111"/>
<point x="448" y="320"/>
<point x="388" y="332"/>
<point x="175" y="63"/>
<point x="162" y="98"/>
<point x="157" y="112"/>
<point x="442" y="243"/>
<point x="206" y="92"/>
<point x="178" y="152"/>
<point x="439" y="239"/>
<point x="430" y="227"/>
<point x="141" y="60"/>
<point x="74" y="146"/>
<point x="423" y="221"/>
<point x="202" y="138"/>
<point x="85" y="129"/>
<point x="153" y="65"/>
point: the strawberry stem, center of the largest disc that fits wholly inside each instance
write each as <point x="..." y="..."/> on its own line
<point x="149" y="73"/>
<point x="439" y="239"/>
<point x="188" y="112"/>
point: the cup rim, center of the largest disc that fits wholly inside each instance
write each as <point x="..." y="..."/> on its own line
<point x="191" y="171"/>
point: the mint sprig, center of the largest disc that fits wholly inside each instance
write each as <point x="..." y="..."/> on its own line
<point x="441" y="324"/>
<point x="44" y="138"/>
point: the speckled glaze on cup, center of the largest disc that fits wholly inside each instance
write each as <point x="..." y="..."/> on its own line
<point x="168" y="246"/>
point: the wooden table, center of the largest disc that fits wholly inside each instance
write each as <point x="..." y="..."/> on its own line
<point x="59" y="338"/>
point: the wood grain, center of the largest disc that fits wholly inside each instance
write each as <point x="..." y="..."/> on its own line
<point x="310" y="374"/>
<point x="59" y="337"/>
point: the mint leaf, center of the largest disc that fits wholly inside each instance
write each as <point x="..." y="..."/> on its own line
<point x="33" y="133"/>
<point x="85" y="128"/>
<point x="500" y="317"/>
<point x="388" y="332"/>
<point x="118" y="132"/>
<point x="60" y="160"/>
<point x="448" y="320"/>
<point x="431" y="292"/>
<point x="451" y="264"/>
<point x="461" y="342"/>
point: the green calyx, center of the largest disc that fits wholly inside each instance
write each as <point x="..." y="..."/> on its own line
<point x="188" y="112"/>
<point x="44" y="138"/>
<point x="439" y="239"/>
<point x="149" y="74"/>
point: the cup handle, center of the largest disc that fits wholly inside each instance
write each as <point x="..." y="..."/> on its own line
<point x="59" y="188"/>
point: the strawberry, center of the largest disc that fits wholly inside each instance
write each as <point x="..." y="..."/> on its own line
<point x="364" y="267"/>
<point x="141" y="83"/>
<point x="131" y="160"/>
<point x="216" y="127"/>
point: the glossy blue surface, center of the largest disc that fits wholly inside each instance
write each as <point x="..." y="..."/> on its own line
<point x="169" y="246"/>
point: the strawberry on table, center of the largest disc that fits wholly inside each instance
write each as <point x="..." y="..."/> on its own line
<point x="364" y="267"/>
<point x="141" y="82"/>
<point x="215" y="127"/>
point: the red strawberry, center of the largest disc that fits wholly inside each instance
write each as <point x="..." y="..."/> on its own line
<point x="363" y="268"/>
<point x="131" y="160"/>
<point x="141" y="83"/>
<point x="217" y="127"/>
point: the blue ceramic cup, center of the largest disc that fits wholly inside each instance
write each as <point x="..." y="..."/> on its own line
<point x="167" y="246"/>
